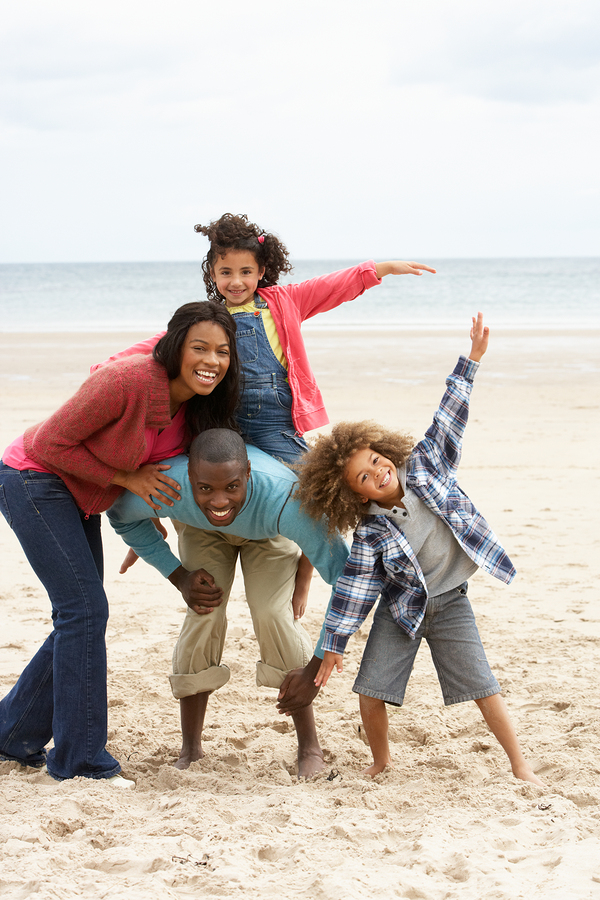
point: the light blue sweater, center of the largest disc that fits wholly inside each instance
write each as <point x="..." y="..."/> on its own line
<point x="268" y="511"/>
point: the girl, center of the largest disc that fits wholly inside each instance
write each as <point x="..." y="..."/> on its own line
<point x="56" y="479"/>
<point x="418" y="539"/>
<point x="280" y="399"/>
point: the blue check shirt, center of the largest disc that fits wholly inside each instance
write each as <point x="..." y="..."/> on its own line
<point x="382" y="561"/>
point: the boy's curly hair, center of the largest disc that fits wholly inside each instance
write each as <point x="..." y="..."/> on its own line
<point x="237" y="233"/>
<point x="322" y="488"/>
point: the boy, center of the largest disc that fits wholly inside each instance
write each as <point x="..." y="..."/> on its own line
<point x="418" y="539"/>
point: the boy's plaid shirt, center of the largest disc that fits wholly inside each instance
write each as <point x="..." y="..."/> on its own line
<point x="383" y="562"/>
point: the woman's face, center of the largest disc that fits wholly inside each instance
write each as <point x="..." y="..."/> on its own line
<point x="205" y="360"/>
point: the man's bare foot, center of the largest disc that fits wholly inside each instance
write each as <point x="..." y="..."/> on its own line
<point x="526" y="773"/>
<point x="310" y="763"/>
<point x="186" y="757"/>
<point x="376" y="768"/>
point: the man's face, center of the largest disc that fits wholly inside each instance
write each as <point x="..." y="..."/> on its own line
<point x="219" y="489"/>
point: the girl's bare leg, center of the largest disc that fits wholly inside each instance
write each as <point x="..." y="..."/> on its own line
<point x="496" y="715"/>
<point x="375" y="720"/>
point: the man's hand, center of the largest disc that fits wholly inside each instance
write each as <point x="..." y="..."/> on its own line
<point x="198" y="589"/>
<point x="329" y="661"/>
<point x="298" y="689"/>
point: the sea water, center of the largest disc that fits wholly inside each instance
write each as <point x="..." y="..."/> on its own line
<point x="555" y="293"/>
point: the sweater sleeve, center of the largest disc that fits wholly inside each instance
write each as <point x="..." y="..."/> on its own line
<point x="145" y="347"/>
<point x="59" y="441"/>
<point x="328" y="291"/>
<point x="130" y="517"/>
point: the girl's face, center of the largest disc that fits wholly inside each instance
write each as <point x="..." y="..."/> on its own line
<point x="373" y="477"/>
<point x="236" y="276"/>
<point x="204" y="361"/>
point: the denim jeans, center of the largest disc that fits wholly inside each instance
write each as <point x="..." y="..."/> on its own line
<point x="265" y="414"/>
<point x="61" y="694"/>
<point x="265" y="418"/>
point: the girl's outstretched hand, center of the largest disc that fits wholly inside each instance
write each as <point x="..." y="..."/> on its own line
<point x="480" y="335"/>
<point x="398" y="267"/>
<point x="329" y="661"/>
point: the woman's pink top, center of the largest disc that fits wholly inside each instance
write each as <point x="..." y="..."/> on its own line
<point x="159" y="445"/>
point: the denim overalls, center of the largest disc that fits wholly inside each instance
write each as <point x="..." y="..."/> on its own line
<point x="265" y="413"/>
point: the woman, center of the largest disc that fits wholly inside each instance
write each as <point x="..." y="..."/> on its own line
<point x="56" y="479"/>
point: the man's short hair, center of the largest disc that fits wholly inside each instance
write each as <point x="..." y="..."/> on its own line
<point x="218" y="445"/>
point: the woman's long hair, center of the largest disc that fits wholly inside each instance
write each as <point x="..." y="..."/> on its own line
<point x="217" y="409"/>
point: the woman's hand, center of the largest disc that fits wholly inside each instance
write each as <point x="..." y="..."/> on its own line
<point x="147" y="481"/>
<point x="398" y="267"/>
<point x="329" y="661"/>
<point x="480" y="335"/>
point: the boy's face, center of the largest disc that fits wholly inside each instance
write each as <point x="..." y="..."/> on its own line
<point x="219" y="489"/>
<point x="373" y="477"/>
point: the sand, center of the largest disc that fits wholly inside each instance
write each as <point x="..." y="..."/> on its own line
<point x="449" y="821"/>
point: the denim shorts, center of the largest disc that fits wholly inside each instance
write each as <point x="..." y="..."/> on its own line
<point x="456" y="649"/>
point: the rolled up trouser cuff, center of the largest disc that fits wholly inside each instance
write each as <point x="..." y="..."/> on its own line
<point x="269" y="676"/>
<point x="200" y="682"/>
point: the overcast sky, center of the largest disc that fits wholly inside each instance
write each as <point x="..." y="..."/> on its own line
<point x="351" y="128"/>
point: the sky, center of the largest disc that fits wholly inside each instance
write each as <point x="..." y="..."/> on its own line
<point x="352" y="129"/>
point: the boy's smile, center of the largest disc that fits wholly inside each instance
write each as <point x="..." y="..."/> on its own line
<point x="373" y="477"/>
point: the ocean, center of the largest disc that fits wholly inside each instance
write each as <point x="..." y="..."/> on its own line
<point x="553" y="293"/>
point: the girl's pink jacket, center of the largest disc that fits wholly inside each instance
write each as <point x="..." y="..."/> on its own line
<point x="290" y="305"/>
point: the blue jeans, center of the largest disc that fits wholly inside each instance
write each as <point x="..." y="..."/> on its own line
<point x="61" y="694"/>
<point x="265" y="418"/>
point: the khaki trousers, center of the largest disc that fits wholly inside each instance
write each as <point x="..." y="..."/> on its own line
<point x="269" y="568"/>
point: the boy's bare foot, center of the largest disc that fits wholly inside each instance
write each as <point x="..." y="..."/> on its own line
<point x="310" y="763"/>
<point x="376" y="768"/>
<point x="188" y="756"/>
<point x="526" y="773"/>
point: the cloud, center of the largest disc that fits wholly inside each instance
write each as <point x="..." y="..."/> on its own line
<point x="528" y="53"/>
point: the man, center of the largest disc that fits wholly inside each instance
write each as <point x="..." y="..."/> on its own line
<point x="232" y="501"/>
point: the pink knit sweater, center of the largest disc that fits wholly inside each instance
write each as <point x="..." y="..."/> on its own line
<point x="101" y="429"/>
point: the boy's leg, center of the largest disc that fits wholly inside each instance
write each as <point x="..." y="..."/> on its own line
<point x="374" y="717"/>
<point x="464" y="672"/>
<point x="384" y="671"/>
<point x="495" y="713"/>
<point x="270" y="568"/>
<point x="197" y="669"/>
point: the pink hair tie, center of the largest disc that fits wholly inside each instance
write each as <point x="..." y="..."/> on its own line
<point x="261" y="239"/>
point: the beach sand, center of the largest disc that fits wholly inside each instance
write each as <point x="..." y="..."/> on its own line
<point x="449" y="821"/>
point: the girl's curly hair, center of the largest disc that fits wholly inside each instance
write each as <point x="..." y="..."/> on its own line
<point x="322" y="488"/>
<point x="237" y="233"/>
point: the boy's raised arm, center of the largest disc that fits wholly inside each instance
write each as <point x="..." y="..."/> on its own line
<point x="480" y="335"/>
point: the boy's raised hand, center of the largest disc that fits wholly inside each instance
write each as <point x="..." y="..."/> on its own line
<point x="480" y="335"/>
<point x="326" y="668"/>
